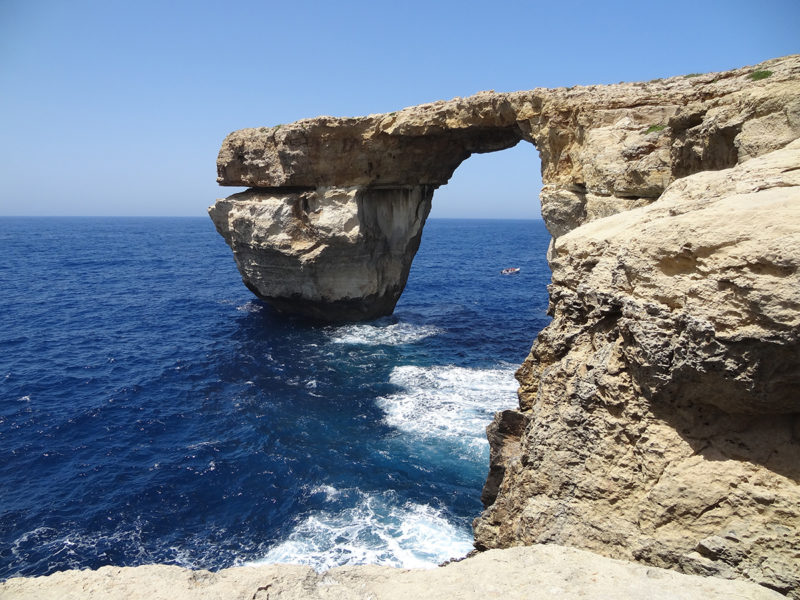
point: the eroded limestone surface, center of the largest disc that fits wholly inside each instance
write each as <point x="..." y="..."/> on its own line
<point x="662" y="404"/>
<point x="516" y="573"/>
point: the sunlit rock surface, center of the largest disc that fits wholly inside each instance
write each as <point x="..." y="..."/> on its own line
<point x="662" y="404"/>
<point x="659" y="418"/>
<point x="516" y="573"/>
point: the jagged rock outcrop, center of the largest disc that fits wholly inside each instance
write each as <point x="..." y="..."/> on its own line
<point x="662" y="401"/>
<point x="524" y="573"/>
<point x="604" y="149"/>
<point x="659" y="419"/>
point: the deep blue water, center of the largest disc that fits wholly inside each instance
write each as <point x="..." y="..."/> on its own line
<point x="152" y="410"/>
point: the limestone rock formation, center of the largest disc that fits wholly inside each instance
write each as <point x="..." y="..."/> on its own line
<point x="662" y="401"/>
<point x="604" y="149"/>
<point x="328" y="253"/>
<point x="420" y="145"/>
<point x="659" y="419"/>
<point x="517" y="573"/>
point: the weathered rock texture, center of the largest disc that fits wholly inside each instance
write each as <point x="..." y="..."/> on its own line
<point x="327" y="253"/>
<point x="659" y="417"/>
<point x="604" y="149"/>
<point x="524" y="573"/>
<point x="662" y="403"/>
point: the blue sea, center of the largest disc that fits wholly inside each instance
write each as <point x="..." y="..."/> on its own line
<point x="153" y="410"/>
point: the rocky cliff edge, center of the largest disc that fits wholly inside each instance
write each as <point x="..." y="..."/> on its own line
<point x="516" y="573"/>
<point x="658" y="416"/>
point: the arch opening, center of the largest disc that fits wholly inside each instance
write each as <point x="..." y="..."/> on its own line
<point x="485" y="219"/>
<point x="503" y="184"/>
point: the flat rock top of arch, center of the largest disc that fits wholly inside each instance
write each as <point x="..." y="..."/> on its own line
<point x="423" y="145"/>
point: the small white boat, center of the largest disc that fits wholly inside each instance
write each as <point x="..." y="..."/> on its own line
<point x="509" y="271"/>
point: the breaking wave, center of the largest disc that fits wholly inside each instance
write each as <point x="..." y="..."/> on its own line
<point x="454" y="404"/>
<point x="377" y="529"/>
<point x="395" y="334"/>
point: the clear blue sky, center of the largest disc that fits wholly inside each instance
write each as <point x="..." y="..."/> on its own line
<point x="119" y="107"/>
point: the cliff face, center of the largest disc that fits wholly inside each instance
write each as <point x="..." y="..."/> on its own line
<point x="659" y="415"/>
<point x="659" y="418"/>
<point x="661" y="404"/>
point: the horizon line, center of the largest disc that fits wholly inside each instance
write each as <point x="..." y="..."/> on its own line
<point x="206" y="217"/>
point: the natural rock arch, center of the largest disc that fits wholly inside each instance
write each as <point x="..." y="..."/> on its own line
<point x="658" y="417"/>
<point x="336" y="206"/>
<point x="336" y="209"/>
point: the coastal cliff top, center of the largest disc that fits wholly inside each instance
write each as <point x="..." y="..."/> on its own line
<point x="522" y="572"/>
<point x="424" y="144"/>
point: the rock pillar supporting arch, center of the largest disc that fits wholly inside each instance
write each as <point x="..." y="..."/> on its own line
<point x="330" y="253"/>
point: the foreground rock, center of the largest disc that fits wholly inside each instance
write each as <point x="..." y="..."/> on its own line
<point x="524" y="573"/>
<point x="661" y="403"/>
<point x="306" y="238"/>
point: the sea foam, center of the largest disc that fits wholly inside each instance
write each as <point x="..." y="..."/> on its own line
<point x="379" y="529"/>
<point x="449" y="403"/>
<point x="395" y="334"/>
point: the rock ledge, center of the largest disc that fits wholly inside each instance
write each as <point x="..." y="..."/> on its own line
<point x="524" y="573"/>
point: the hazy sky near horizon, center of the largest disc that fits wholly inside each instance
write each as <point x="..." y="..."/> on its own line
<point x="119" y="108"/>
